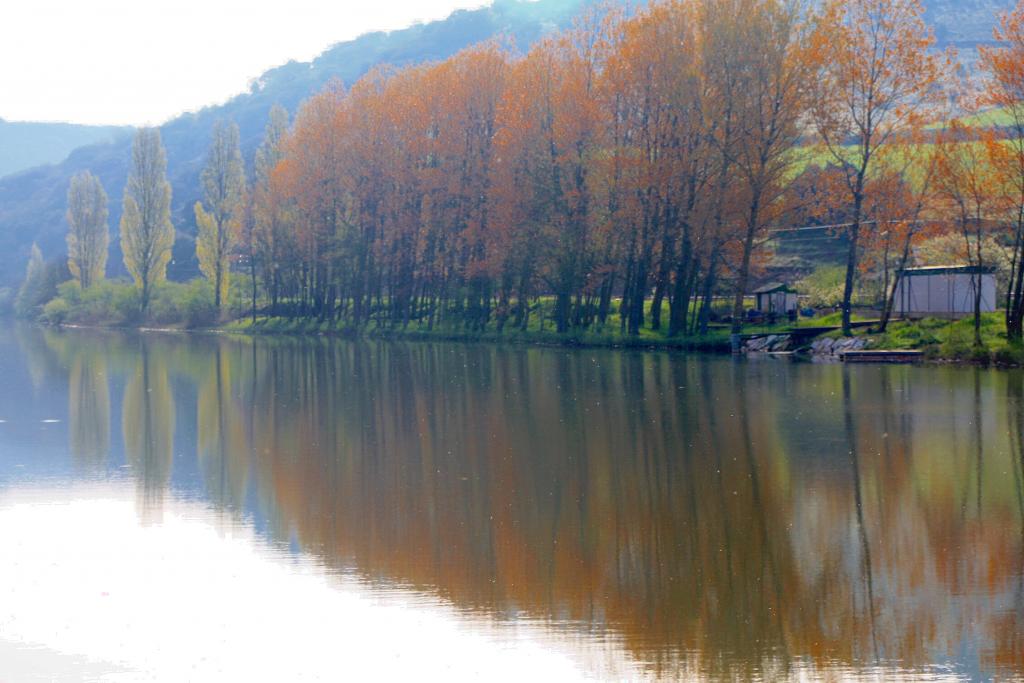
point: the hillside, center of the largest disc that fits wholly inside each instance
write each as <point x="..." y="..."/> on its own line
<point x="24" y="145"/>
<point x="32" y="202"/>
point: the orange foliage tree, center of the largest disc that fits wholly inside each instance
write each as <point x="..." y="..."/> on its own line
<point x="634" y="159"/>
<point x="1004" y="88"/>
<point x="877" y="75"/>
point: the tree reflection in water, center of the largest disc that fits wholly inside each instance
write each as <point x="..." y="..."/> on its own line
<point x="737" y="519"/>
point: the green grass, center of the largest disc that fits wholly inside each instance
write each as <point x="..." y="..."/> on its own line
<point x="989" y="117"/>
<point x="540" y="330"/>
<point x="952" y="340"/>
<point x="607" y="336"/>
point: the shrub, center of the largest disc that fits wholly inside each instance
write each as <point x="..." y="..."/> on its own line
<point x="97" y="303"/>
<point x="1009" y="355"/>
<point x="824" y="287"/>
<point x="70" y="292"/>
<point x="980" y="354"/>
<point x="164" y="308"/>
<point x="197" y="307"/>
<point x="955" y="348"/>
<point x="56" y="311"/>
<point x="127" y="303"/>
<point x="40" y="286"/>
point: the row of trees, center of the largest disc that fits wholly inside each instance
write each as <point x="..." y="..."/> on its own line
<point x="621" y="164"/>
<point x="628" y="162"/>
<point x="147" y="233"/>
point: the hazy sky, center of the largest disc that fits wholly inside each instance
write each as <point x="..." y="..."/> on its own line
<point x="143" y="61"/>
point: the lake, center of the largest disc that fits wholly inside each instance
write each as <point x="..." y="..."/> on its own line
<point x="178" y="507"/>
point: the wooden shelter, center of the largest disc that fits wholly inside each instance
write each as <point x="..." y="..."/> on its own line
<point x="776" y="298"/>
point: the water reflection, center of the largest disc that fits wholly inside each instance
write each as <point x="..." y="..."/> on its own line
<point x="752" y="520"/>
<point x="88" y="400"/>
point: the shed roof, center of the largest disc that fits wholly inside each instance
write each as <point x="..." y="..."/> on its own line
<point x="775" y="287"/>
<point x="948" y="270"/>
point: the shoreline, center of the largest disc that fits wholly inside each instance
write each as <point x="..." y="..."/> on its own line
<point x="718" y="345"/>
<point x="709" y="345"/>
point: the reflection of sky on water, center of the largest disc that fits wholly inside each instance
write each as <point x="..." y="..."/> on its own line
<point x="197" y="597"/>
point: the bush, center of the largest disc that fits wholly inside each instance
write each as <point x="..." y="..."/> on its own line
<point x="980" y="354"/>
<point x="106" y="302"/>
<point x="197" y="305"/>
<point x="56" y="311"/>
<point x="127" y="304"/>
<point x="40" y="287"/>
<point x="1009" y="355"/>
<point x="70" y="292"/>
<point x="165" y="304"/>
<point x="824" y="287"/>
<point x="112" y="302"/>
<point x="955" y="348"/>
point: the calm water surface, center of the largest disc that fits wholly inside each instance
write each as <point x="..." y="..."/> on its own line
<point x="199" y="508"/>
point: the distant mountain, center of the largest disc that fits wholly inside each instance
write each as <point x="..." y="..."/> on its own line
<point x="32" y="203"/>
<point x="25" y="145"/>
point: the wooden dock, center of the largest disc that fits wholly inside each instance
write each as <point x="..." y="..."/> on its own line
<point x="881" y="356"/>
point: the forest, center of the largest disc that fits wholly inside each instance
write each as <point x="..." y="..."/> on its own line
<point x="623" y="177"/>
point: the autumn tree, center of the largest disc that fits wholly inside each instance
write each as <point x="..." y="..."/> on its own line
<point x="653" y="58"/>
<point x="219" y="221"/>
<point x="461" y="130"/>
<point x="772" y="99"/>
<point x="310" y="174"/>
<point x="147" y="234"/>
<point x="552" y="109"/>
<point x="1004" y="89"/>
<point x="876" y="76"/>
<point x="901" y="204"/>
<point x="726" y="64"/>
<point x="269" y="235"/>
<point x="966" y="189"/>
<point x="88" y="234"/>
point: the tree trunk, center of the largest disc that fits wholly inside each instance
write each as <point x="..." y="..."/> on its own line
<point x="1015" y="291"/>
<point x="753" y="217"/>
<point x="709" y="293"/>
<point x="851" y="257"/>
<point x="890" y="293"/>
<point x="252" y="277"/>
<point x="661" y="286"/>
<point x="681" y="297"/>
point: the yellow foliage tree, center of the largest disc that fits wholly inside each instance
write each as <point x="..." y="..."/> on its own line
<point x="219" y="221"/>
<point x="88" y="235"/>
<point x="147" y="234"/>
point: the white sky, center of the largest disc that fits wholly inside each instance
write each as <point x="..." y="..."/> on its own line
<point x="144" y="61"/>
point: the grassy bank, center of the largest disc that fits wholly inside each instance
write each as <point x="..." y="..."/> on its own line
<point x="606" y="337"/>
<point x="951" y="340"/>
<point x="189" y="306"/>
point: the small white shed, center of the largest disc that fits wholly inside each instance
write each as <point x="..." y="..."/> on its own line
<point x="776" y="298"/>
<point x="944" y="291"/>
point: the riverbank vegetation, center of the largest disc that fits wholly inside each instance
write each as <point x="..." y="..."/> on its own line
<point x="617" y="183"/>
